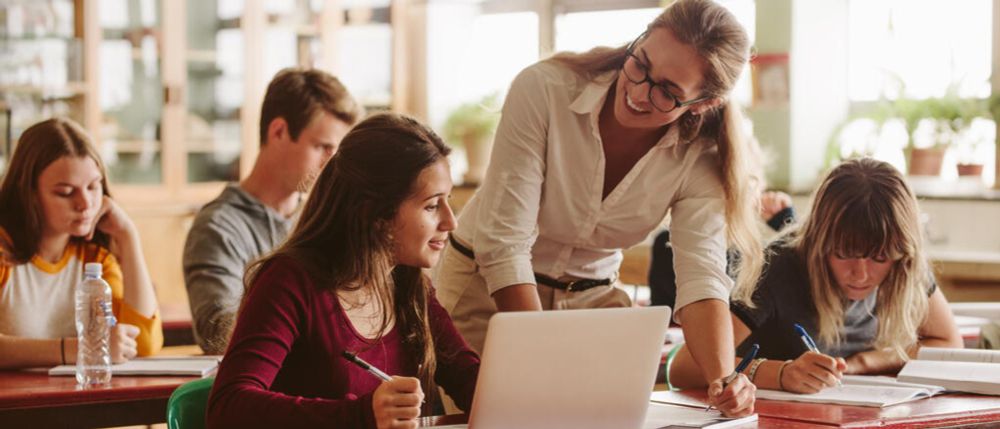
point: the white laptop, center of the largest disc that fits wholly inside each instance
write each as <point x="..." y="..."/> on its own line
<point x="581" y="369"/>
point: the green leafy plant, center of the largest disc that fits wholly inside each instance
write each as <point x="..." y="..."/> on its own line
<point x="472" y="123"/>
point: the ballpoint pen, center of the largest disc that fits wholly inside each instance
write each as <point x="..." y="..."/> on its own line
<point x="810" y="344"/>
<point x="739" y="368"/>
<point x="353" y="358"/>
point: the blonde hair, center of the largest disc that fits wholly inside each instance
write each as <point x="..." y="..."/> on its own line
<point x="864" y="208"/>
<point x="724" y="46"/>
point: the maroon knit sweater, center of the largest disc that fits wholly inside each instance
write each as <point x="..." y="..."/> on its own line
<point x="284" y="366"/>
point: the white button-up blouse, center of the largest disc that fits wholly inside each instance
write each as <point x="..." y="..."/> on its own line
<point x="540" y="208"/>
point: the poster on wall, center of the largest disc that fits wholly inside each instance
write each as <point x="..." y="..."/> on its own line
<point x="769" y="73"/>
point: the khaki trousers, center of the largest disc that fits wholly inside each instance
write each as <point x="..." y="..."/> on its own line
<point x="462" y="291"/>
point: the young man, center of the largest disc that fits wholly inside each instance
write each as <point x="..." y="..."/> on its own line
<point x="304" y="116"/>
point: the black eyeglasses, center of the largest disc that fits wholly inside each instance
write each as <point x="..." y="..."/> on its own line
<point x="638" y="73"/>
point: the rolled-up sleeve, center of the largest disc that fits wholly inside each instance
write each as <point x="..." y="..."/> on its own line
<point x="698" y="233"/>
<point x="512" y="191"/>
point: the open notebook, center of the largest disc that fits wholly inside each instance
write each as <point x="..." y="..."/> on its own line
<point x="964" y="370"/>
<point x="864" y="391"/>
<point x="198" y="366"/>
<point x="663" y="416"/>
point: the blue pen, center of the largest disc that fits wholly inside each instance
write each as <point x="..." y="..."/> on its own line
<point x="739" y="368"/>
<point x="810" y="344"/>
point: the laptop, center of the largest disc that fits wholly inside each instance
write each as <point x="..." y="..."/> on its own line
<point x="581" y="369"/>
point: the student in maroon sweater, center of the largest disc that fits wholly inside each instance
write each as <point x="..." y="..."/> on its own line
<point x="349" y="279"/>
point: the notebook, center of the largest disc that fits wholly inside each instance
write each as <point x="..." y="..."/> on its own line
<point x="865" y="391"/>
<point x="197" y="366"/>
<point x="963" y="370"/>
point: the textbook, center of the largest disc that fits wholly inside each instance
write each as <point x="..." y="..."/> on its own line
<point x="963" y="370"/>
<point x="197" y="366"/>
<point x="863" y="391"/>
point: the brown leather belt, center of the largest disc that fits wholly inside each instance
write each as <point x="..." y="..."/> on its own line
<point x="570" y="286"/>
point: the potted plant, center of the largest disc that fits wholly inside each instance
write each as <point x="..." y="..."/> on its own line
<point x="471" y="125"/>
<point x="923" y="160"/>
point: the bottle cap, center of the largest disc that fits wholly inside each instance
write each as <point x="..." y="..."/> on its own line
<point x="94" y="269"/>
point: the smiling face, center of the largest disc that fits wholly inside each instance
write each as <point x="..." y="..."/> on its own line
<point x="670" y="63"/>
<point x="424" y="219"/>
<point x="70" y="193"/>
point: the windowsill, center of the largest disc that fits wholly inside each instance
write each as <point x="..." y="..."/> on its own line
<point x="936" y="188"/>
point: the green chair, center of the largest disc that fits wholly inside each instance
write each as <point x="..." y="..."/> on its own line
<point x="186" y="406"/>
<point x="668" y="361"/>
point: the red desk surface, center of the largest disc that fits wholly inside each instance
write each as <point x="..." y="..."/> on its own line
<point x="943" y="410"/>
<point x="28" y="397"/>
<point x="763" y="422"/>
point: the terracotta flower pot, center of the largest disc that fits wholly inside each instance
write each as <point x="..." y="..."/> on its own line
<point x="926" y="162"/>
<point x="970" y="169"/>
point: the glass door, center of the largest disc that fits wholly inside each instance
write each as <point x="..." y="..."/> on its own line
<point x="215" y="89"/>
<point x="131" y="90"/>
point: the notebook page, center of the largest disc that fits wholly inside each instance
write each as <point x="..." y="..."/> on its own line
<point x="958" y="355"/>
<point x="865" y="396"/>
<point x="660" y="416"/>
<point x="881" y="380"/>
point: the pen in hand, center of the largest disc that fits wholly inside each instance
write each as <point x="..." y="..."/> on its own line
<point x="810" y="344"/>
<point x="353" y="358"/>
<point x="739" y="368"/>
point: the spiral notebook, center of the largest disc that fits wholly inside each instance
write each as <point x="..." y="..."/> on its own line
<point x="195" y="366"/>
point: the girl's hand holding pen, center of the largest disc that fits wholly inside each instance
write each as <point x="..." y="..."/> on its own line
<point x="396" y="403"/>
<point x="812" y="372"/>
<point x="734" y="399"/>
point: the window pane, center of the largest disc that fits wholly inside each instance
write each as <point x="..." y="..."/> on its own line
<point x="921" y="47"/>
<point x="131" y="90"/>
<point x="472" y="55"/>
<point x="214" y="91"/>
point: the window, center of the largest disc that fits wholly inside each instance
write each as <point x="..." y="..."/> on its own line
<point x="919" y="47"/>
<point x="920" y="50"/>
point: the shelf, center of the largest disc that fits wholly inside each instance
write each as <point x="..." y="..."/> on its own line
<point x="68" y="91"/>
<point x="40" y="37"/>
<point x="132" y="145"/>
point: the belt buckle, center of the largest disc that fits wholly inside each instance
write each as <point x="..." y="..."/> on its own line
<point x="569" y="285"/>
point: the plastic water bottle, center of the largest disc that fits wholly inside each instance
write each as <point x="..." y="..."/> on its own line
<point x="94" y="320"/>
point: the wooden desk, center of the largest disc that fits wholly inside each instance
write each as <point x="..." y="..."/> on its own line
<point x="763" y="422"/>
<point x="950" y="410"/>
<point x="33" y="399"/>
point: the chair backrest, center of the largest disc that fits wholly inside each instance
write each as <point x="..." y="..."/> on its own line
<point x="186" y="406"/>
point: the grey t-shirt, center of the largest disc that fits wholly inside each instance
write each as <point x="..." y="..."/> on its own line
<point x="783" y="298"/>
<point x="228" y="233"/>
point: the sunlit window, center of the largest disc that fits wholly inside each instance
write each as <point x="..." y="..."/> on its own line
<point x="475" y="55"/>
<point x="919" y="47"/>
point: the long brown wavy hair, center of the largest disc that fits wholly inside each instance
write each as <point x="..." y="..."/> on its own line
<point x="21" y="215"/>
<point x="723" y="44"/>
<point x="343" y="237"/>
<point x="864" y="208"/>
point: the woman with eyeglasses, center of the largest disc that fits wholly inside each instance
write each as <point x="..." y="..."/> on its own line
<point x="592" y="153"/>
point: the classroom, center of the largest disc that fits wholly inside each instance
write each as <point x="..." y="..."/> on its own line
<point x="499" y="213"/>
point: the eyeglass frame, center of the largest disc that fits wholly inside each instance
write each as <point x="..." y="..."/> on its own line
<point x="629" y="53"/>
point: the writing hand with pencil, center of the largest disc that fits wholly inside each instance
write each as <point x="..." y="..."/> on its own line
<point x="396" y="402"/>
<point x="812" y="371"/>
